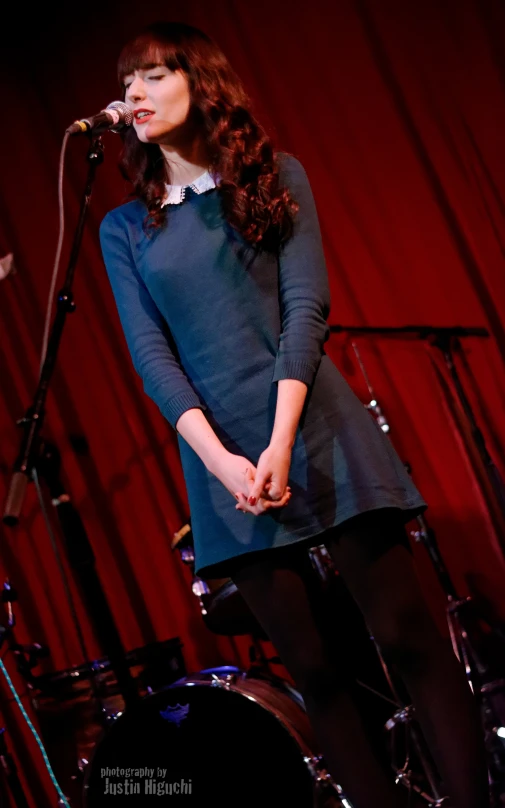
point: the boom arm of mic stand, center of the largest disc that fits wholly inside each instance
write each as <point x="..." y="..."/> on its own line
<point x="34" y="417"/>
<point x="443" y="338"/>
<point x="416" y="331"/>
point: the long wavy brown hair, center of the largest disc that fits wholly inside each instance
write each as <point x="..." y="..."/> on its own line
<point x="242" y="158"/>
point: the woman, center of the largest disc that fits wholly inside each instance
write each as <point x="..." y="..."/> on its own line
<point x="219" y="276"/>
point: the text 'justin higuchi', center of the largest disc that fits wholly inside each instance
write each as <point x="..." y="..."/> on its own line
<point x="142" y="781"/>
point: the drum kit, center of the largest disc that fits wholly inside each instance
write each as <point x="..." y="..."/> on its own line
<point x="241" y="737"/>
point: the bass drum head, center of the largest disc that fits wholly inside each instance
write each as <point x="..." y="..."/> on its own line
<point x="194" y="743"/>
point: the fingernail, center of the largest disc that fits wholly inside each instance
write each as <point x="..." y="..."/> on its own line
<point x="252" y="500"/>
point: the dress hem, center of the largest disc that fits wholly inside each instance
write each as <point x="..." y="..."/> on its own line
<point x="411" y="508"/>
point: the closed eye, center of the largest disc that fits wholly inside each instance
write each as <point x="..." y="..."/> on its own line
<point x="127" y="84"/>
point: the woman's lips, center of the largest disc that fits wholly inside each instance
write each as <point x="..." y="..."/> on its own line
<point x="143" y="118"/>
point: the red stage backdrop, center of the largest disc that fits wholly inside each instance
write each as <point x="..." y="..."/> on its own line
<point x="397" y="112"/>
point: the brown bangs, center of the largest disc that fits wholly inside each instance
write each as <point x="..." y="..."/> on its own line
<point x="143" y="54"/>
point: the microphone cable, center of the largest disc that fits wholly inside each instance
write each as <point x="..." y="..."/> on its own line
<point x="56" y="265"/>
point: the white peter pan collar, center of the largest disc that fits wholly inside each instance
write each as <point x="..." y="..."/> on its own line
<point x="176" y="193"/>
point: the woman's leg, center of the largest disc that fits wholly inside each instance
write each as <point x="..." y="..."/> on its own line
<point x="380" y="575"/>
<point x="281" y="593"/>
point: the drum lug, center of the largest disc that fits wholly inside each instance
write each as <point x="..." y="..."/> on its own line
<point x="315" y="764"/>
<point x="223" y="681"/>
<point x="324" y="781"/>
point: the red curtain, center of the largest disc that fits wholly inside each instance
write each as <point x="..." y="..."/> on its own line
<point x="397" y="112"/>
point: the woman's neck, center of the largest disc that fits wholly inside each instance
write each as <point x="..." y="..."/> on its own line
<point x="185" y="163"/>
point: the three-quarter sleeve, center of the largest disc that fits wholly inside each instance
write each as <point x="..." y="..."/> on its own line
<point x="303" y="284"/>
<point x="145" y="330"/>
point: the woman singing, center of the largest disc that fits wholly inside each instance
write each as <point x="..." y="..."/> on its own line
<point x="218" y="273"/>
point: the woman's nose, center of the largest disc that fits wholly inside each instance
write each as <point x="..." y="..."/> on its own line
<point x="136" y="90"/>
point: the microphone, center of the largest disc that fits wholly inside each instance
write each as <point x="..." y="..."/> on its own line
<point x="114" y="118"/>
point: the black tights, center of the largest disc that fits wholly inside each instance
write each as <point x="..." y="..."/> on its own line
<point x="370" y="554"/>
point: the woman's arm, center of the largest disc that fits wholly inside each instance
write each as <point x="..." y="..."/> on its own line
<point x="144" y="328"/>
<point x="272" y="472"/>
<point x="235" y="472"/>
<point x="291" y="395"/>
<point x="303" y="284"/>
<point x="305" y="306"/>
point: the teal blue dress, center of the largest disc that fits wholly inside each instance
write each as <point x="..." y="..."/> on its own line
<point x="212" y="323"/>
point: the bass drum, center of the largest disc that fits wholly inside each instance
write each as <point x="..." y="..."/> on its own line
<point x="217" y="738"/>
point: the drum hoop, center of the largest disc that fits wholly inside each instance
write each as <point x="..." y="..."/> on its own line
<point x="232" y="682"/>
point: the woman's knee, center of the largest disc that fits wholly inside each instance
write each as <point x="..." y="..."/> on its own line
<point x="406" y="632"/>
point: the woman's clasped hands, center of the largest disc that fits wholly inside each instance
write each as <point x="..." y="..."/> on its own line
<point x="257" y="490"/>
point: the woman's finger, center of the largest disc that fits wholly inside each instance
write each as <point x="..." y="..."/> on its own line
<point x="242" y="504"/>
<point x="269" y="493"/>
<point x="280" y="503"/>
<point x="265" y="505"/>
<point x="262" y="505"/>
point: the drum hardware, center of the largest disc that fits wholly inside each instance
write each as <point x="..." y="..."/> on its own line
<point x="70" y="717"/>
<point x="465" y="629"/>
<point x="222" y="607"/>
<point x="221" y="713"/>
<point x="403" y="743"/>
<point x="463" y="619"/>
<point x="81" y="559"/>
<point x="27" y="657"/>
<point x="10" y="774"/>
<point x="405" y="774"/>
<point x="322" y="564"/>
<point x="328" y="789"/>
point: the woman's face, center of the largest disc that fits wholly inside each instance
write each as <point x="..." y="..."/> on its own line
<point x="160" y="101"/>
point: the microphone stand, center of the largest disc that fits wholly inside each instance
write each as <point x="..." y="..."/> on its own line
<point x="462" y="617"/>
<point x="444" y="338"/>
<point x="26" y="466"/>
<point x="34" y="416"/>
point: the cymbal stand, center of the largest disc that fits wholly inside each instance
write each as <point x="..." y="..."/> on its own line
<point x="489" y="692"/>
<point x="446" y="339"/>
<point x="405" y="775"/>
<point x="462" y="624"/>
